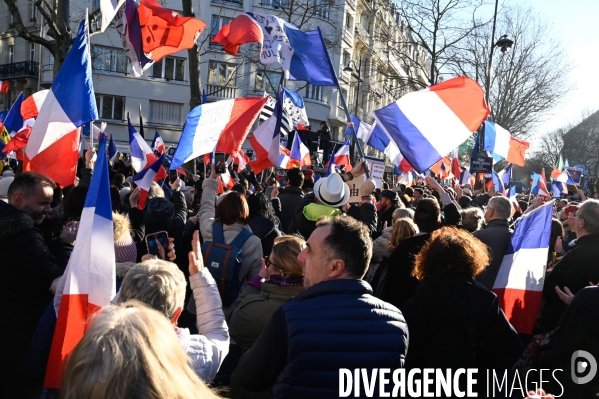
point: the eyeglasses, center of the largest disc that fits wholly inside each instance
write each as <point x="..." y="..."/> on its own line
<point x="574" y="214"/>
<point x="267" y="262"/>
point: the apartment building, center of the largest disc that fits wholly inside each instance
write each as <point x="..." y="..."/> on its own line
<point x="357" y="33"/>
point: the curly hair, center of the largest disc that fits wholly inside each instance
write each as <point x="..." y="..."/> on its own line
<point x="451" y="251"/>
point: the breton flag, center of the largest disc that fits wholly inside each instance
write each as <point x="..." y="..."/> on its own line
<point x="144" y="180"/>
<point x="165" y="32"/>
<point x="293" y="105"/>
<point x="299" y="155"/>
<point x="53" y="147"/>
<point x="158" y="144"/>
<point x="377" y="138"/>
<point x="519" y="283"/>
<point x="428" y="123"/>
<point x="266" y="140"/>
<point x="127" y="25"/>
<point x="501" y="143"/>
<point x="89" y="281"/>
<point x="269" y="109"/>
<point x="303" y="55"/>
<point x="221" y="126"/>
<point x="341" y="157"/>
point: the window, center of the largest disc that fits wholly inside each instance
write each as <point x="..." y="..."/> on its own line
<point x="31" y="52"/>
<point x="11" y="21"/>
<point x="109" y="59"/>
<point x="165" y="113"/>
<point x="321" y="8"/>
<point x="221" y="74"/>
<point x="349" y="21"/>
<point x="346" y="58"/>
<point x="110" y="107"/>
<point x="51" y="61"/>
<point x="96" y="4"/>
<point x="229" y="2"/>
<point x="217" y="23"/>
<point x="169" y="68"/>
<point x="275" y="3"/>
<point x="32" y="12"/>
<point x="314" y="92"/>
<point x="11" y="54"/>
<point x="267" y="81"/>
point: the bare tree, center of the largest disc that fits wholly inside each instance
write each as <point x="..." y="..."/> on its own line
<point x="529" y="80"/>
<point x="581" y="142"/>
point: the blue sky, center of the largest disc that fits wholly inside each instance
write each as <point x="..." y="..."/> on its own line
<point x="576" y="22"/>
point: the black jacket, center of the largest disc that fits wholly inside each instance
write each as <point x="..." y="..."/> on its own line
<point x="290" y="199"/>
<point x="576" y="270"/>
<point x="384" y="216"/>
<point x="28" y="271"/>
<point x="331" y="325"/>
<point x="265" y="230"/>
<point x="497" y="236"/>
<point x="456" y="323"/>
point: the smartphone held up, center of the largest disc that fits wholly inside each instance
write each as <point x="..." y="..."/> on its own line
<point x="157" y="244"/>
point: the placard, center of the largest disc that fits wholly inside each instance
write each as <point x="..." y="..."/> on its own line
<point x="575" y="175"/>
<point x="481" y="164"/>
<point x="354" y="188"/>
<point x="377" y="169"/>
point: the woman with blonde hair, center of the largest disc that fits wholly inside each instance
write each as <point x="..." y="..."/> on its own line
<point x="279" y="279"/>
<point x="130" y="352"/>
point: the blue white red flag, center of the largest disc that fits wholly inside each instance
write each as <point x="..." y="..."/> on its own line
<point x="145" y="178"/>
<point x="89" y="281"/>
<point x="127" y="25"/>
<point x="519" y="283"/>
<point x="341" y="157"/>
<point x="429" y="123"/>
<point x="299" y="155"/>
<point x="502" y="145"/>
<point x="158" y="144"/>
<point x="14" y="119"/>
<point x="112" y="150"/>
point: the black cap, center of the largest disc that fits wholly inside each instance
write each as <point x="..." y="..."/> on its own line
<point x="392" y="195"/>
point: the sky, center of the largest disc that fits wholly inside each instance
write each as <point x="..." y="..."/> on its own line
<point x="576" y="23"/>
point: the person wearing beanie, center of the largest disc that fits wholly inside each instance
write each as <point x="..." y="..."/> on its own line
<point x="124" y="246"/>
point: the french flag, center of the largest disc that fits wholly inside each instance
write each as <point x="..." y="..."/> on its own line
<point x="141" y="153"/>
<point x="466" y="177"/>
<point x="221" y="126"/>
<point x="14" y="119"/>
<point x="241" y="159"/>
<point x="519" y="283"/>
<point x="330" y="168"/>
<point x="242" y="29"/>
<point x="4" y="86"/>
<point x="158" y="144"/>
<point x="429" y="123"/>
<point x="377" y="138"/>
<point x="501" y="143"/>
<point x="341" y="157"/>
<point x="112" y="150"/>
<point x="53" y="147"/>
<point x="266" y="140"/>
<point x="88" y="283"/>
<point x="225" y="181"/>
<point x="30" y="108"/>
<point x="299" y="155"/>
<point x="144" y="180"/>
<point x="539" y="185"/>
<point x="456" y="169"/>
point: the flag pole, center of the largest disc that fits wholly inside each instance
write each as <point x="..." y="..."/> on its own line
<point x="347" y="114"/>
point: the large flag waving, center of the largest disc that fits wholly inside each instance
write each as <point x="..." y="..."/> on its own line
<point x="429" y="123"/>
<point x="53" y="147"/>
<point x="128" y="27"/>
<point x="108" y="10"/>
<point x="88" y="283"/>
<point x="164" y="32"/>
<point x="519" y="283"/>
<point x="220" y="126"/>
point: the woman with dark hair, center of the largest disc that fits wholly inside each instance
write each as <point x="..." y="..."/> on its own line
<point x="233" y="212"/>
<point x="557" y="230"/>
<point x="454" y="321"/>
<point x="263" y="221"/>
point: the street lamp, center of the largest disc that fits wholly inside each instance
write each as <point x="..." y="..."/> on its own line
<point x="358" y="76"/>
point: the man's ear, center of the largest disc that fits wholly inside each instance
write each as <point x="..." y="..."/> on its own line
<point x="337" y="268"/>
<point x="17" y="198"/>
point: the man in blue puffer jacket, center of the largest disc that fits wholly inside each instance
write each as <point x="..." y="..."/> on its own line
<point x="335" y="323"/>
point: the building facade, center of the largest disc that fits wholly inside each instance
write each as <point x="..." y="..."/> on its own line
<point x="357" y="33"/>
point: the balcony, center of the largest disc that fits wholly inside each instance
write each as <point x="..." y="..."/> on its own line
<point x="362" y="34"/>
<point x="24" y="69"/>
<point x="351" y="3"/>
<point x="228" y="3"/>
<point x="348" y="36"/>
<point x="217" y="91"/>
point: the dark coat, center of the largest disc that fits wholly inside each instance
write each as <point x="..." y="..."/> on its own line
<point x="384" y="216"/>
<point x="331" y="325"/>
<point x="576" y="269"/>
<point x="290" y="199"/>
<point x="28" y="271"/>
<point x="265" y="230"/>
<point x="497" y="236"/>
<point x="456" y="323"/>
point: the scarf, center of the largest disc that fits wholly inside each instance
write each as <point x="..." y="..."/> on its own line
<point x="285" y="281"/>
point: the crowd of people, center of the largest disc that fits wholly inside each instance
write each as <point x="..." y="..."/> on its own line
<point x="268" y="289"/>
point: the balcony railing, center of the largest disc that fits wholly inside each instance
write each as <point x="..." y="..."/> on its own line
<point x="351" y="3"/>
<point x="348" y="36"/>
<point x="363" y="34"/>
<point x="221" y="91"/>
<point x="24" y="69"/>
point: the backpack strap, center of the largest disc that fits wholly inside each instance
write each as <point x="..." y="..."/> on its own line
<point x="218" y="234"/>
<point x="241" y="238"/>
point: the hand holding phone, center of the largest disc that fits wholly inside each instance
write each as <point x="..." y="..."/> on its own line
<point x="157" y="244"/>
<point x="219" y="162"/>
<point x="172" y="175"/>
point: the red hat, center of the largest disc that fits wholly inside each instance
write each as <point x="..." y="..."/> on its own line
<point x="570" y="208"/>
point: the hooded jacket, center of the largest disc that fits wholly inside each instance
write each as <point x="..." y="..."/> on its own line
<point x="28" y="271"/>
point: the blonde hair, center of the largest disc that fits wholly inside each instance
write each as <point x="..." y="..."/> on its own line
<point x="286" y="249"/>
<point x="402" y="228"/>
<point x="472" y="219"/>
<point x="402" y="212"/>
<point x="157" y="283"/>
<point x="121" y="227"/>
<point x="130" y="352"/>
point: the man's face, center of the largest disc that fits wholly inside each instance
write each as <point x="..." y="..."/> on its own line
<point x="314" y="258"/>
<point x="489" y="212"/>
<point x="417" y="195"/>
<point x="34" y="202"/>
<point x="560" y="205"/>
<point x="385" y="203"/>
